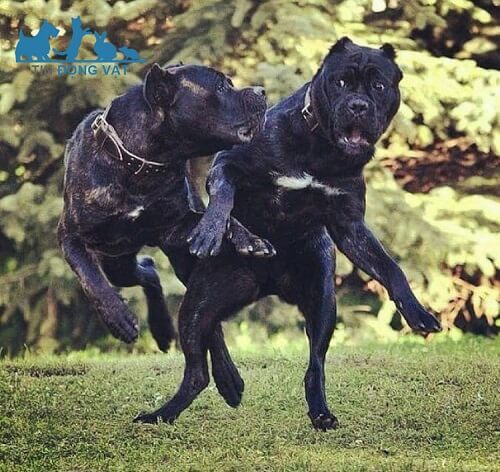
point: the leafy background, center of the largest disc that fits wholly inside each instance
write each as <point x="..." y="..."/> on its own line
<point x="433" y="193"/>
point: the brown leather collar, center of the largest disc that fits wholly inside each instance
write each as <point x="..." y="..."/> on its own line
<point x="107" y="138"/>
<point x="307" y="111"/>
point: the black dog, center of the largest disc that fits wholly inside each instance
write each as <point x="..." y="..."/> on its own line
<point x="125" y="186"/>
<point x="299" y="184"/>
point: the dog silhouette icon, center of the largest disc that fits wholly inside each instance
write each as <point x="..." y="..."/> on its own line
<point x="77" y="34"/>
<point x="36" y="48"/>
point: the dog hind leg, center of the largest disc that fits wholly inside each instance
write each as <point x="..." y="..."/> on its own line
<point x="129" y="271"/>
<point x="215" y="290"/>
<point x="225" y="373"/>
<point x="226" y="376"/>
<point x="312" y="289"/>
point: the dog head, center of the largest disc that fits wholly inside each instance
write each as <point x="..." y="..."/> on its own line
<point x="49" y="29"/>
<point x="202" y="104"/>
<point x="356" y="94"/>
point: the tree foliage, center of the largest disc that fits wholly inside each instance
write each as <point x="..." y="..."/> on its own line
<point x="446" y="238"/>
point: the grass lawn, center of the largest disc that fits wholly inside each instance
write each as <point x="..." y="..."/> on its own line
<point x="405" y="407"/>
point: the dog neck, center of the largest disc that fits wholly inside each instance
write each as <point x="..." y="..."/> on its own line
<point x="152" y="135"/>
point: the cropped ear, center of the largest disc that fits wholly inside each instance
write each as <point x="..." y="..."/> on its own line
<point x="341" y="44"/>
<point x="388" y="51"/>
<point x="158" y="87"/>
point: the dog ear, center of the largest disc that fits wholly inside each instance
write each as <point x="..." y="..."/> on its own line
<point x="341" y="44"/>
<point x="388" y="50"/>
<point x="158" y="87"/>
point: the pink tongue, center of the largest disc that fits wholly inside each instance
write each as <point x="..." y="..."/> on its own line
<point x="355" y="136"/>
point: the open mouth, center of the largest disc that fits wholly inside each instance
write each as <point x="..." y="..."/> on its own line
<point x="354" y="138"/>
<point x="247" y="131"/>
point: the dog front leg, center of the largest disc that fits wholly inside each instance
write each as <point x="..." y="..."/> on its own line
<point x="206" y="238"/>
<point x="358" y="243"/>
<point x="118" y="318"/>
<point x="309" y="284"/>
<point x="195" y="201"/>
<point x="129" y="270"/>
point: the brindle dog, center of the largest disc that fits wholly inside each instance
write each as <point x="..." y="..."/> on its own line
<point x="126" y="187"/>
<point x="299" y="184"/>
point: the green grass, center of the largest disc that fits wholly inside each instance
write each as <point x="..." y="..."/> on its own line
<point x="401" y="407"/>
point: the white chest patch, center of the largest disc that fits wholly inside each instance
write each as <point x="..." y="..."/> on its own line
<point x="304" y="181"/>
<point x="135" y="213"/>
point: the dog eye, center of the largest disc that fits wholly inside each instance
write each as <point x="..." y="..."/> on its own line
<point x="341" y="83"/>
<point x="378" y="86"/>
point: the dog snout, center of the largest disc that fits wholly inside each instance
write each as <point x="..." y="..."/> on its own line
<point x="255" y="99"/>
<point x="357" y="106"/>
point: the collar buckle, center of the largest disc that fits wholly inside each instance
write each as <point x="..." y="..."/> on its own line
<point x="97" y="124"/>
<point x="307" y="111"/>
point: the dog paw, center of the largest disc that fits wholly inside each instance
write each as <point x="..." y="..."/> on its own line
<point x="122" y="323"/>
<point x="147" y="418"/>
<point x="419" y="319"/>
<point x="206" y="239"/>
<point x="164" y="337"/>
<point x="152" y="418"/>
<point x="162" y="329"/>
<point x="324" y="421"/>
<point x="247" y="243"/>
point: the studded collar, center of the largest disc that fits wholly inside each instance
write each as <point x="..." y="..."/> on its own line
<point x="308" y="112"/>
<point x="109" y="140"/>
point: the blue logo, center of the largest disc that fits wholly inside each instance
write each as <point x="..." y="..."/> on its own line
<point x="37" y="49"/>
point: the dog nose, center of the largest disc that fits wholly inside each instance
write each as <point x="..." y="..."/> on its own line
<point x="259" y="91"/>
<point x="358" y="106"/>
